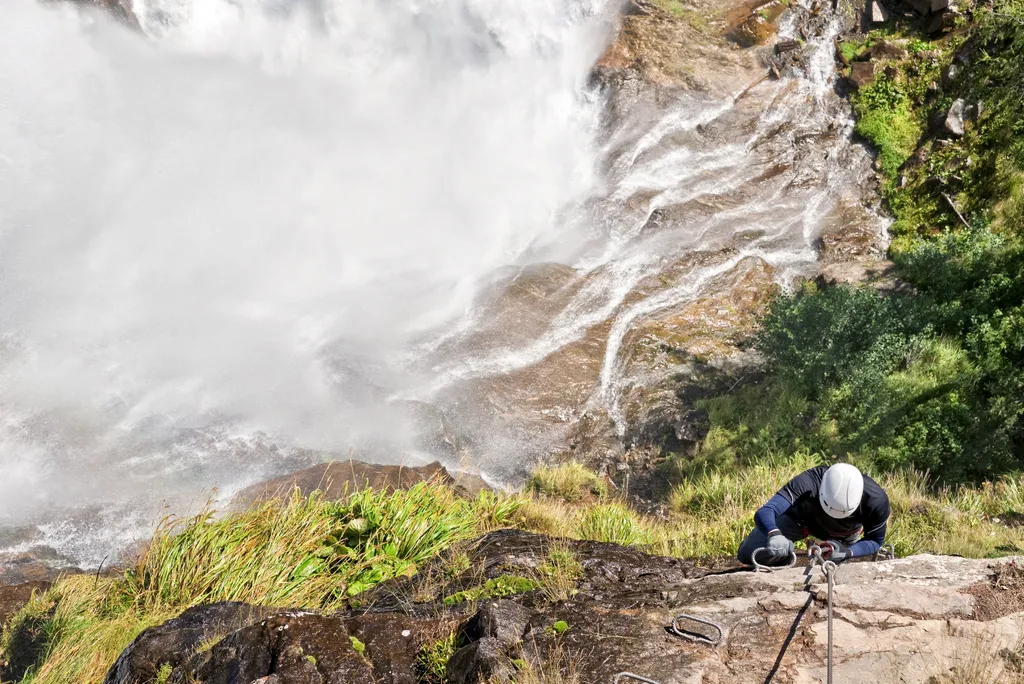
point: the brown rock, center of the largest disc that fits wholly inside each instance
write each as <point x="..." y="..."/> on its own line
<point x="754" y="30"/>
<point x="885" y="49"/>
<point x="340" y="478"/>
<point x="862" y="74"/>
<point x="13" y="597"/>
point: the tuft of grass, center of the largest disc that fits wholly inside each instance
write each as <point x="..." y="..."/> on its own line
<point x="559" y="574"/>
<point x="569" y="481"/>
<point x="612" y="522"/>
<point x="432" y="660"/>
<point x="557" y="668"/>
<point x="163" y="675"/>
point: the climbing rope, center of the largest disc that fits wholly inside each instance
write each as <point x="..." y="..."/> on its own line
<point x="829" y="568"/>
<point x="771" y="568"/>
<point x="676" y="629"/>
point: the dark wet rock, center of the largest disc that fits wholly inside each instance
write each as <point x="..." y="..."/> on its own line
<point x="301" y="647"/>
<point x="784" y="46"/>
<point x="482" y="660"/>
<point x="862" y="74"/>
<point x="954" y="122"/>
<point x="926" y="7"/>
<point x="173" y="641"/>
<point x="342" y="477"/>
<point x="505" y="621"/>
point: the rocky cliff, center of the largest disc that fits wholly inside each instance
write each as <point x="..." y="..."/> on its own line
<point x="920" y="619"/>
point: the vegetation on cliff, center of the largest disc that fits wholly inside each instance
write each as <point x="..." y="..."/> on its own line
<point x="931" y="376"/>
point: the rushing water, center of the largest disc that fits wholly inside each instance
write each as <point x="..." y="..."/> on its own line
<point x="271" y="226"/>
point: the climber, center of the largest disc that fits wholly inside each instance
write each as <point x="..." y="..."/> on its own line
<point x="838" y="505"/>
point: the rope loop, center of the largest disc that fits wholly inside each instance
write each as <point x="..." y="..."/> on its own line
<point x="676" y="629"/>
<point x="771" y="568"/>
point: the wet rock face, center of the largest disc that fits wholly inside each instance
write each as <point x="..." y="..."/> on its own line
<point x="912" y="620"/>
<point x="658" y="50"/>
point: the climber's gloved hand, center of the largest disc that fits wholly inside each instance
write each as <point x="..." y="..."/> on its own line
<point x="834" y="551"/>
<point x="779" y="546"/>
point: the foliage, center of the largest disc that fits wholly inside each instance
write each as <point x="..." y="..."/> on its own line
<point x="886" y="119"/>
<point x="304" y="552"/>
<point x="432" y="660"/>
<point x="499" y="587"/>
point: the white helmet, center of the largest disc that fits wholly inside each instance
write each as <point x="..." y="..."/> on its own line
<point x="841" y="490"/>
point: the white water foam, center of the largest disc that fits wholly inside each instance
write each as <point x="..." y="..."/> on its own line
<point x="237" y="223"/>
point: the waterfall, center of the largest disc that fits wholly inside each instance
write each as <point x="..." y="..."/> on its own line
<point x="261" y="232"/>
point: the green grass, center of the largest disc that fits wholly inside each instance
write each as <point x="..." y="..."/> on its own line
<point x="569" y="481"/>
<point x="432" y="660"/>
<point x="559" y="574"/>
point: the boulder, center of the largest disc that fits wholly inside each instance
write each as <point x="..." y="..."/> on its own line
<point x="173" y="641"/>
<point x="885" y="49"/>
<point x="953" y="124"/>
<point x="862" y="74"/>
<point x="878" y="14"/>
<point x="480" y="661"/>
<point x="754" y="30"/>
<point x="506" y="621"/>
<point x="925" y="7"/>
